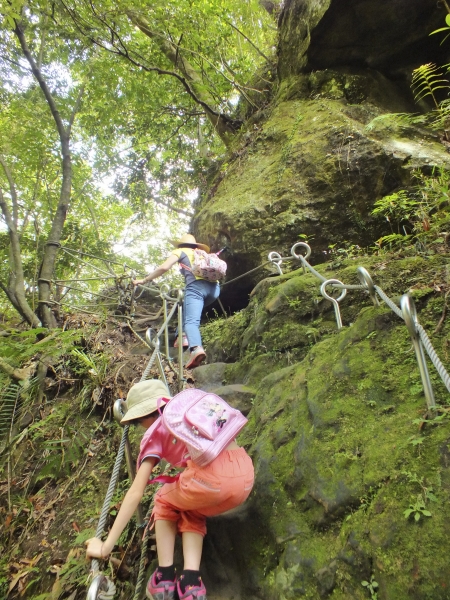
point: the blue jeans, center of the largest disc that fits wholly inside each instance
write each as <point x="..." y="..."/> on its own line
<point x="197" y="294"/>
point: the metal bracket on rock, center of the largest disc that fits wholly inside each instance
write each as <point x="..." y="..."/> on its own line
<point x="276" y="259"/>
<point x="366" y="280"/>
<point x="335" y="301"/>
<point x="300" y="257"/>
<point x="410" y="316"/>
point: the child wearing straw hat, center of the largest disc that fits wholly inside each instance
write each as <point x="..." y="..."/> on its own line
<point x="182" y="506"/>
<point x="198" y="293"/>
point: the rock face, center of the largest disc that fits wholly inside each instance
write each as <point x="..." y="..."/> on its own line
<point x="335" y="437"/>
<point x="327" y="147"/>
<point x="390" y="36"/>
<point x="351" y="492"/>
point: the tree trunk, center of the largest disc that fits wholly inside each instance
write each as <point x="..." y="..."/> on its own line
<point x="51" y="247"/>
<point x="16" y="284"/>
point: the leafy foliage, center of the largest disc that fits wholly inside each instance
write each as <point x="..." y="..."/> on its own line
<point x="420" y="214"/>
<point x="446" y="29"/>
<point x="140" y="140"/>
<point x="417" y="509"/>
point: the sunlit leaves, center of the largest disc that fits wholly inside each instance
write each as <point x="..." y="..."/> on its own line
<point x="135" y="150"/>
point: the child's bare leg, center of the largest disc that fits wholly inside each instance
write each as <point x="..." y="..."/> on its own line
<point x="166" y="532"/>
<point x="192" y="550"/>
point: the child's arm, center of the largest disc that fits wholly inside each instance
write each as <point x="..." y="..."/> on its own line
<point x="166" y="265"/>
<point x="98" y="549"/>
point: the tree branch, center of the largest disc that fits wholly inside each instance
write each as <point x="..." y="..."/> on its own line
<point x="12" y="191"/>
<point x="191" y="80"/>
<point x="42" y="83"/>
<point x="16" y="292"/>
<point x="17" y="374"/>
<point x="248" y="40"/>
<point x="76" y="107"/>
<point x="180" y="211"/>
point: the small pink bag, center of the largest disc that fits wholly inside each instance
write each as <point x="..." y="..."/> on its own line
<point x="204" y="422"/>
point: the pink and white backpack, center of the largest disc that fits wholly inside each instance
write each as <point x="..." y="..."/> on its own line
<point x="204" y="422"/>
<point x="207" y="266"/>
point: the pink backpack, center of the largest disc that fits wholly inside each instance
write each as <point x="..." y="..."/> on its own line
<point x="204" y="422"/>
<point x="207" y="266"/>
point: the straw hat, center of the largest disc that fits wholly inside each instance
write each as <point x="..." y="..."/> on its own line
<point x="142" y="399"/>
<point x="187" y="238"/>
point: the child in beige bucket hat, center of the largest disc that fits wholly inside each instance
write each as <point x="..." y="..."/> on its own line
<point x="198" y="293"/>
<point x="143" y="397"/>
<point x="182" y="506"/>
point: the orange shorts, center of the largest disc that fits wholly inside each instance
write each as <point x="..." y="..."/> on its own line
<point x="202" y="492"/>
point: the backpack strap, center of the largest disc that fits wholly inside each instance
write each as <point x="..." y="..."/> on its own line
<point x="164" y="479"/>
<point x="185" y="267"/>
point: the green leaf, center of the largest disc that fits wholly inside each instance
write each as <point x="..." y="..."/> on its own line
<point x="417" y="516"/>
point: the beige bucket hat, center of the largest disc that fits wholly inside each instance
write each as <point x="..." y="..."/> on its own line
<point x="142" y="399"/>
<point x="188" y="238"/>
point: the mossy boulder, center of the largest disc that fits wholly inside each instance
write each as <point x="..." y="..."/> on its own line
<point x="332" y="141"/>
<point x="351" y="485"/>
<point x="316" y="168"/>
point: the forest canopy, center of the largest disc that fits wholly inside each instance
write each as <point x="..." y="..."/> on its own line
<point x="110" y="116"/>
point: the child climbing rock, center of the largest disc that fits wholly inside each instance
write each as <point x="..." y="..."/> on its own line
<point x="199" y="292"/>
<point x="182" y="506"/>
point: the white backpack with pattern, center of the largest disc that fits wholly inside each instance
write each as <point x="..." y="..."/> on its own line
<point x="207" y="266"/>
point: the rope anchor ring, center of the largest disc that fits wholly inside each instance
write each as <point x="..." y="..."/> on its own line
<point x="367" y="281"/>
<point x="276" y="259"/>
<point x="335" y="301"/>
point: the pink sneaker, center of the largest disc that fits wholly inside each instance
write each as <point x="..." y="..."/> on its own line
<point x="160" y="590"/>
<point x="177" y="343"/>
<point x="192" y="592"/>
<point x="197" y="356"/>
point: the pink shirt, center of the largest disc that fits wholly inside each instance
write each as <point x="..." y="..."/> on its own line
<point x="159" y="443"/>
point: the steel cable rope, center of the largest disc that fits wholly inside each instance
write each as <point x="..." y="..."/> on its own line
<point x="86" y="263"/>
<point x="106" y="260"/>
<point x="69" y="287"/>
<point x="141" y="572"/>
<point x="73" y="306"/>
<point x="424" y="337"/>
<point x="95" y="591"/>
<point x="420" y="330"/>
<point x="87" y="279"/>
<point x="269" y="262"/>
<point x="95" y="566"/>
<point x="305" y="264"/>
<point x="433" y="356"/>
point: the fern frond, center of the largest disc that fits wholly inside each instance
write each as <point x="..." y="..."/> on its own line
<point x="9" y="404"/>
<point x="426" y="80"/>
<point x="15" y="400"/>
